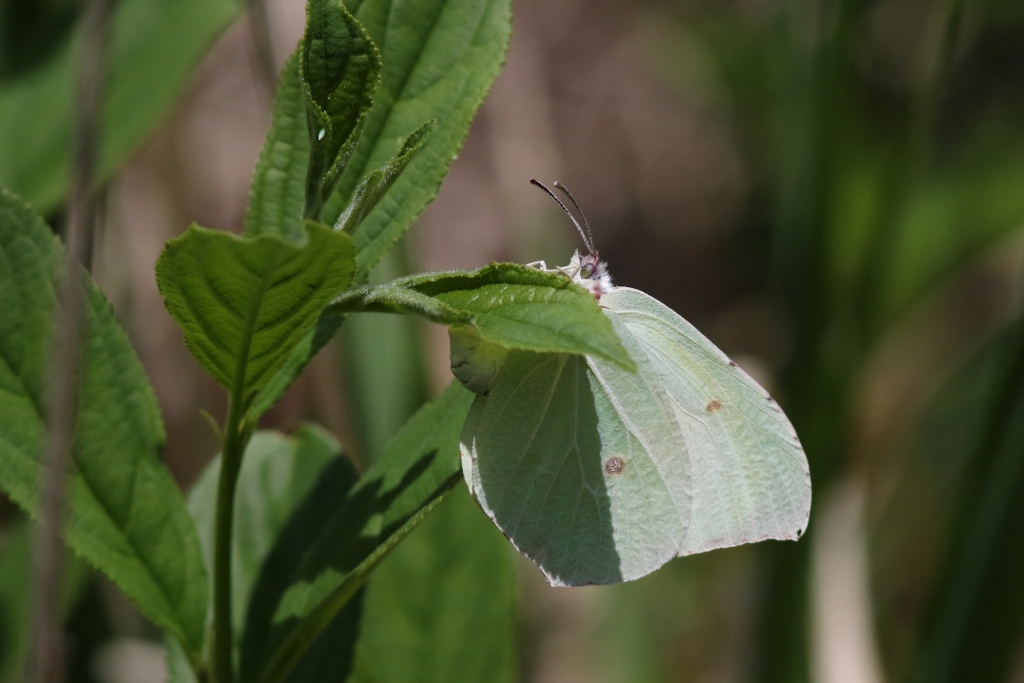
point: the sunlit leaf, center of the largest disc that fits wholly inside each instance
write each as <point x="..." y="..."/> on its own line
<point x="246" y="304"/>
<point x="440" y="58"/>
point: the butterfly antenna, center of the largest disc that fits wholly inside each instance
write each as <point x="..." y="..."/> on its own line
<point x="589" y="243"/>
<point x="589" y="237"/>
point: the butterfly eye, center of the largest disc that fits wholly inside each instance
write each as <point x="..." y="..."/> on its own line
<point x="587" y="270"/>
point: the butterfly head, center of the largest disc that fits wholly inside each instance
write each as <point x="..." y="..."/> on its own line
<point x="588" y="270"/>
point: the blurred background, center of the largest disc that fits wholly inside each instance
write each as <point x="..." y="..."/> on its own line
<point x="833" y="191"/>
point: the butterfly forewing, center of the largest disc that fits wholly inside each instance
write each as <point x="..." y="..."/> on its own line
<point x="750" y="479"/>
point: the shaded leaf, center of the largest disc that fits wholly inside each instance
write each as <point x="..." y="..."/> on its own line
<point x="418" y="467"/>
<point x="442" y="606"/>
<point x="285" y="485"/>
<point x="977" y="616"/>
<point x="125" y="512"/>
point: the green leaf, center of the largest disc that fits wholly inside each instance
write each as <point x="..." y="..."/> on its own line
<point x="246" y="304"/>
<point x="279" y="181"/>
<point x="376" y="183"/>
<point x="330" y="656"/>
<point x="507" y="304"/>
<point x="340" y="70"/>
<point x="418" y="467"/>
<point x="280" y="475"/>
<point x="440" y="58"/>
<point x="442" y="607"/>
<point x="324" y="330"/>
<point x="155" y="47"/>
<point x="126" y="515"/>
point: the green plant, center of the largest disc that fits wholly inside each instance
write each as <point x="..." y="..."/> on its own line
<point x="254" y="309"/>
<point x="277" y="566"/>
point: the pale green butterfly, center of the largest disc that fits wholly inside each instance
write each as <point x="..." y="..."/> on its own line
<point x="601" y="475"/>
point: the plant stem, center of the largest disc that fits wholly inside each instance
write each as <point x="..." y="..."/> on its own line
<point x="235" y="441"/>
<point x="46" y="662"/>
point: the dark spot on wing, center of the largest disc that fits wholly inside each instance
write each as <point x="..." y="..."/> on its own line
<point x="732" y="363"/>
<point x="614" y="465"/>
<point x="713" y="405"/>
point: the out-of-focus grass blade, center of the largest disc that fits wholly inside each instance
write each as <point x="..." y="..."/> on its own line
<point x="977" y="621"/>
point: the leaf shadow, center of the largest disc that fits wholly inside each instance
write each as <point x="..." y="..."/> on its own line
<point x="310" y="553"/>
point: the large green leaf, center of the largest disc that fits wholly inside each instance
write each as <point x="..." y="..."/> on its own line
<point x="340" y="70"/>
<point x="506" y="304"/>
<point x="442" y="606"/>
<point x="418" y="467"/>
<point x="440" y="58"/>
<point x="125" y="513"/>
<point x="246" y="304"/>
<point x="279" y="181"/>
<point x="155" y="46"/>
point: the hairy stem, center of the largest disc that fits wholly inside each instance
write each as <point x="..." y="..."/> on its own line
<point x="235" y="440"/>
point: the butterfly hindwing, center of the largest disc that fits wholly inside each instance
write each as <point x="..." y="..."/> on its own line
<point x="591" y="487"/>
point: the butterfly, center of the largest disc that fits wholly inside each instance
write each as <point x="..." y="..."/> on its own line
<point x="601" y="475"/>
